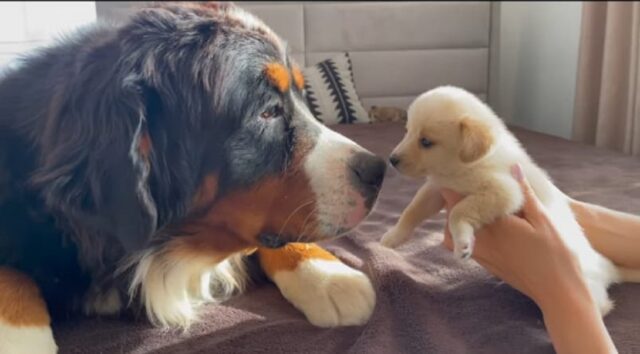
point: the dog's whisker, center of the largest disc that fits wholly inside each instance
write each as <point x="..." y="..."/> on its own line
<point x="293" y="213"/>
<point x="305" y="224"/>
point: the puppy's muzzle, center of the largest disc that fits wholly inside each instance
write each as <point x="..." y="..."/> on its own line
<point x="394" y="160"/>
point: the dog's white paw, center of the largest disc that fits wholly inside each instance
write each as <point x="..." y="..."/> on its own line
<point x="394" y="237"/>
<point x="26" y="340"/>
<point x="463" y="240"/>
<point x="329" y="293"/>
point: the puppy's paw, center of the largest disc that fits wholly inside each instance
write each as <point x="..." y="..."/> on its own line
<point x="395" y="237"/>
<point x="463" y="240"/>
<point x="329" y="293"/>
<point x="463" y="247"/>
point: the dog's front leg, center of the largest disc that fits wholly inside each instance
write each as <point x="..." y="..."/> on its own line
<point x="25" y="325"/>
<point x="327" y="291"/>
<point x="427" y="202"/>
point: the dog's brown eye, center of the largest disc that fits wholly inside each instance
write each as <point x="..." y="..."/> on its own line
<point x="275" y="111"/>
<point x="426" y="143"/>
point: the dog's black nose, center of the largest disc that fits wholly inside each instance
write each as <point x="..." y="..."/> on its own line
<point x="368" y="174"/>
<point x="369" y="169"/>
<point x="395" y="160"/>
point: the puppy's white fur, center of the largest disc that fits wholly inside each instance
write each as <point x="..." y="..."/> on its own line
<point x="470" y="150"/>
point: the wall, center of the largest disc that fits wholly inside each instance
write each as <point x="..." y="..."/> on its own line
<point x="398" y="49"/>
<point x="25" y="25"/>
<point x="537" y="56"/>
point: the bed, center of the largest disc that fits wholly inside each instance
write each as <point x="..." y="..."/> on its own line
<point x="428" y="302"/>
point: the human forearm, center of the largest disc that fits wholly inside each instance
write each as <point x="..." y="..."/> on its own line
<point x="614" y="234"/>
<point x="575" y="326"/>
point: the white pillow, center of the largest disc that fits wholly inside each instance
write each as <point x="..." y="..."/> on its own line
<point x="331" y="94"/>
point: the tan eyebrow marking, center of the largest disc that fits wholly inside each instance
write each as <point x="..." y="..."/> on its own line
<point x="298" y="78"/>
<point x="278" y="75"/>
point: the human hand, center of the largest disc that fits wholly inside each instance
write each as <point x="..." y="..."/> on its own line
<point x="526" y="251"/>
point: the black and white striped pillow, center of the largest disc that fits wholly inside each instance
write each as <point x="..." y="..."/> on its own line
<point x="331" y="94"/>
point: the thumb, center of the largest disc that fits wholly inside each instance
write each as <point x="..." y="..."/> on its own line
<point x="532" y="209"/>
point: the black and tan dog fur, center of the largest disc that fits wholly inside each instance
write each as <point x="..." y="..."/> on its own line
<point x="140" y="163"/>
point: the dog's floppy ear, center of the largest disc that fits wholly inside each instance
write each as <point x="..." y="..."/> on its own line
<point x="132" y="206"/>
<point x="475" y="139"/>
<point x="95" y="153"/>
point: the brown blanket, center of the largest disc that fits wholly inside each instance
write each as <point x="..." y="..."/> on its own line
<point x="427" y="301"/>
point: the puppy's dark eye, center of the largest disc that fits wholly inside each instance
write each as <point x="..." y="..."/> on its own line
<point x="273" y="112"/>
<point x="426" y="143"/>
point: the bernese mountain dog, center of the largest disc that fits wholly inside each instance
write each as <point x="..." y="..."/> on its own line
<point x="159" y="164"/>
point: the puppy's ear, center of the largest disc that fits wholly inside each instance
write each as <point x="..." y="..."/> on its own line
<point x="475" y="139"/>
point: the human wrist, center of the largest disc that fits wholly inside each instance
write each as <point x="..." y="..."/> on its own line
<point x="575" y="326"/>
<point x="565" y="295"/>
<point x="568" y="303"/>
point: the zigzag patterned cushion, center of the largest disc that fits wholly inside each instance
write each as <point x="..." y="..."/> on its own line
<point x="331" y="94"/>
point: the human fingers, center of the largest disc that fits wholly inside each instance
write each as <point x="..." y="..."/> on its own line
<point x="532" y="209"/>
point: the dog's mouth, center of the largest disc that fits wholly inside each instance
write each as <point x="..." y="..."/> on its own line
<point x="273" y="241"/>
<point x="270" y="240"/>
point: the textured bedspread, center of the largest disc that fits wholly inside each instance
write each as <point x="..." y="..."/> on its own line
<point x="427" y="302"/>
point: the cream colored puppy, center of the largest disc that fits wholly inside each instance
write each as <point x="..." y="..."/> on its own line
<point x="459" y="143"/>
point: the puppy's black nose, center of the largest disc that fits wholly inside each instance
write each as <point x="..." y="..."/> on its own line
<point x="369" y="169"/>
<point x="395" y="160"/>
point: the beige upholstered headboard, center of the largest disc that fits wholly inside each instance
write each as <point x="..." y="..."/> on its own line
<point x="398" y="49"/>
